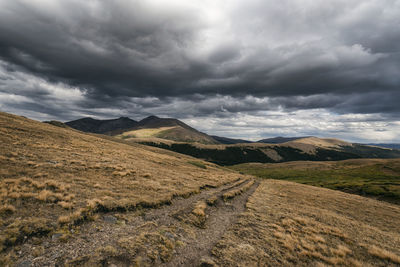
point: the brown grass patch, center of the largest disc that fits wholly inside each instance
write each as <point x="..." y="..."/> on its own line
<point x="383" y="254"/>
<point x="199" y="209"/>
<point x="237" y="191"/>
<point x="290" y="224"/>
<point x="152" y="244"/>
<point x="66" y="205"/>
<point x="212" y="200"/>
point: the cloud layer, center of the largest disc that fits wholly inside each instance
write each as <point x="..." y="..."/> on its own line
<point x="204" y="59"/>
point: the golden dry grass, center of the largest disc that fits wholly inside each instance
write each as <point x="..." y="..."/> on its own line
<point x="66" y="177"/>
<point x="199" y="209"/>
<point x="237" y="191"/>
<point x="144" y="133"/>
<point x="292" y="224"/>
<point x="384" y="254"/>
<point x="321" y="142"/>
<point x="212" y="200"/>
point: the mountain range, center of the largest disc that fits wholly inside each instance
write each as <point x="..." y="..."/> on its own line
<point x="152" y="126"/>
<point x="175" y="135"/>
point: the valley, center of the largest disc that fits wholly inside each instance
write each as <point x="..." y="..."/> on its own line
<point x="376" y="178"/>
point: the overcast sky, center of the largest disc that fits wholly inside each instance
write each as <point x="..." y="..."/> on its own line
<point x="237" y="68"/>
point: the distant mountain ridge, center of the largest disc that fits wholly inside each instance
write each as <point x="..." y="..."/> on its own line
<point x="305" y="149"/>
<point x="229" y="141"/>
<point x="280" y="139"/>
<point x="392" y="146"/>
<point x="101" y="126"/>
<point x="124" y="127"/>
<point x="152" y="130"/>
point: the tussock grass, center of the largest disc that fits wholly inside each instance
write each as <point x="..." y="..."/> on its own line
<point x="67" y="177"/>
<point x="66" y="205"/>
<point x="237" y="191"/>
<point x="288" y="224"/>
<point x="384" y="254"/>
<point x="199" y="209"/>
<point x="212" y="200"/>
<point x="153" y="244"/>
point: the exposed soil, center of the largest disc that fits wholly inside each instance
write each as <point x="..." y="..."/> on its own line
<point x="167" y="236"/>
<point x="219" y="218"/>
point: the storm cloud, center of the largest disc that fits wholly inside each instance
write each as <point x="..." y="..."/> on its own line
<point x="206" y="61"/>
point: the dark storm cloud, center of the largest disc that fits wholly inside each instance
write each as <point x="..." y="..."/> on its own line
<point x="143" y="48"/>
<point x="186" y="59"/>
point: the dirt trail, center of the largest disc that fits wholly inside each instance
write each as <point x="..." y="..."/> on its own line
<point x="219" y="218"/>
<point x="171" y="235"/>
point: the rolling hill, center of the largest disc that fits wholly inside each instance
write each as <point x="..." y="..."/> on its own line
<point x="306" y="149"/>
<point x="229" y="141"/>
<point x="70" y="198"/>
<point x="279" y="139"/>
<point x="165" y="128"/>
<point x="393" y="146"/>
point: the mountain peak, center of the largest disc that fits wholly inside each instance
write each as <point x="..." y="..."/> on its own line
<point x="151" y="117"/>
<point x="102" y="126"/>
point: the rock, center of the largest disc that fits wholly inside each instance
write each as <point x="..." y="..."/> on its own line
<point x="56" y="236"/>
<point x="170" y="235"/>
<point x="110" y="219"/>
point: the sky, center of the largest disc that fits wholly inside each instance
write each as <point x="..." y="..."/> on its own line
<point x="237" y="68"/>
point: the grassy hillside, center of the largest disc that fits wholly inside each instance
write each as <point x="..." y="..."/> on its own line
<point x="67" y="177"/>
<point x="174" y="133"/>
<point x="288" y="224"/>
<point x="149" y="127"/>
<point x="370" y="177"/>
<point x="310" y="150"/>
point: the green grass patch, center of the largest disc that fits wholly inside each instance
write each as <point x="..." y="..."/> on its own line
<point x="198" y="164"/>
<point x="128" y="136"/>
<point x="378" y="180"/>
